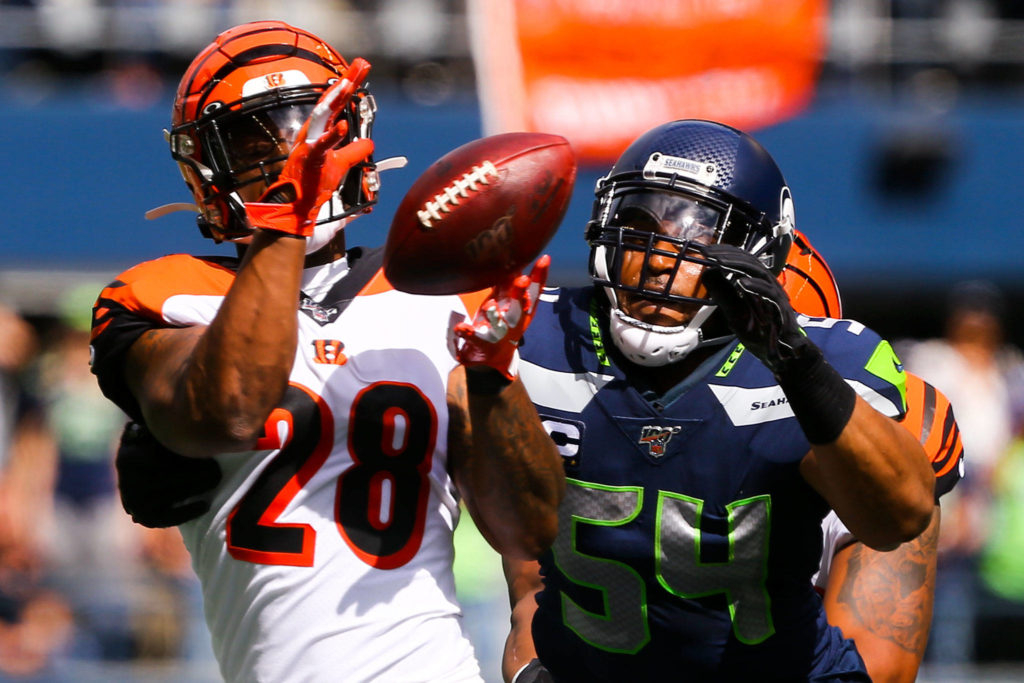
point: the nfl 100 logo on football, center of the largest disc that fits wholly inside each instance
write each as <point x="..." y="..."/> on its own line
<point x="657" y="437"/>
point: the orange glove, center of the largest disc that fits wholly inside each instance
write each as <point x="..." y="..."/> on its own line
<point x="314" y="168"/>
<point x="493" y="337"/>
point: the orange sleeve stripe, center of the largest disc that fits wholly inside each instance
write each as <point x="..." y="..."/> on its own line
<point x="147" y="286"/>
<point x="952" y="451"/>
<point x="930" y="419"/>
<point x="943" y="437"/>
<point x="914" y="421"/>
<point x="97" y="330"/>
<point x="955" y="457"/>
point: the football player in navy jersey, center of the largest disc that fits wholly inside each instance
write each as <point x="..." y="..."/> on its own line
<point x="880" y="600"/>
<point x="706" y="432"/>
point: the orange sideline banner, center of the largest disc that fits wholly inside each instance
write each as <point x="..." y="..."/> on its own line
<point x="600" y="72"/>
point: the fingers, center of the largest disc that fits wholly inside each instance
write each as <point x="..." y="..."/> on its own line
<point x="538" y="276"/>
<point x="539" y="273"/>
<point x="351" y="154"/>
<point x="509" y="307"/>
<point x="357" y="72"/>
<point x="715" y="282"/>
<point x="735" y="260"/>
<point x="335" y="99"/>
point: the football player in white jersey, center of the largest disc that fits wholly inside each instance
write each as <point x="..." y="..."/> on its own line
<point x="341" y="420"/>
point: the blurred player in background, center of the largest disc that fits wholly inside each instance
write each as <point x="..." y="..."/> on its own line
<point x="332" y="447"/>
<point x="706" y="433"/>
<point x="881" y="600"/>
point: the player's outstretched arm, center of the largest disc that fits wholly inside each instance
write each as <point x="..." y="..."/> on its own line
<point x="876" y="477"/>
<point x="208" y="390"/>
<point x="873" y="473"/>
<point x="505" y="465"/>
<point x="883" y="601"/>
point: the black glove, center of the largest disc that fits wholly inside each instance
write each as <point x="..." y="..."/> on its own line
<point x="534" y="672"/>
<point x="757" y="309"/>
<point x="754" y="304"/>
<point x="158" y="487"/>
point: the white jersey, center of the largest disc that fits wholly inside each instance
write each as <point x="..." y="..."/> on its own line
<point x="835" y="537"/>
<point x="327" y="554"/>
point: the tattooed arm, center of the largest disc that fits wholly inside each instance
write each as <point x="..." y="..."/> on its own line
<point x="505" y="466"/>
<point x="883" y="601"/>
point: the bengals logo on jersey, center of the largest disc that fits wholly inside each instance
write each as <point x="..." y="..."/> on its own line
<point x="329" y="352"/>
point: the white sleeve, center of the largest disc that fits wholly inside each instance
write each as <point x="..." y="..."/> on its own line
<point x="835" y="536"/>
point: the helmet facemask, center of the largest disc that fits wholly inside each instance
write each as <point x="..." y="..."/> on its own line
<point x="671" y="224"/>
<point x="234" y="145"/>
<point x="672" y="219"/>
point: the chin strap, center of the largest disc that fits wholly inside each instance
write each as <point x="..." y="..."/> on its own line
<point x="657" y="345"/>
<point x="390" y="163"/>
<point x="161" y="211"/>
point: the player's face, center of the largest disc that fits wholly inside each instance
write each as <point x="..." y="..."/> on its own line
<point x="682" y="220"/>
<point x="258" y="146"/>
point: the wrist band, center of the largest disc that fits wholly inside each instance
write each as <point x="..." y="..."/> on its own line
<point x="819" y="396"/>
<point x="485" y="380"/>
<point x="280" y="217"/>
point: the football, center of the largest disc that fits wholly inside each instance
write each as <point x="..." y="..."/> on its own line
<point x="480" y="214"/>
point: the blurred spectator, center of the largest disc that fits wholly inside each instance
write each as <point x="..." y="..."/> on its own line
<point x="1002" y="562"/>
<point x="971" y="364"/>
<point x="34" y="621"/>
<point x="88" y="538"/>
<point x="129" y="588"/>
<point x="71" y="26"/>
<point x="17" y="346"/>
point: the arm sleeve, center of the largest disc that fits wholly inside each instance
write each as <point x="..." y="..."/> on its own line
<point x="172" y="291"/>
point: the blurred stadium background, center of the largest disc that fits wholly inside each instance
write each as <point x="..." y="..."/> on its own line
<point x="906" y="157"/>
<point x="905" y="165"/>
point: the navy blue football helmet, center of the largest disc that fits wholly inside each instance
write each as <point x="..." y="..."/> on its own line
<point x="677" y="187"/>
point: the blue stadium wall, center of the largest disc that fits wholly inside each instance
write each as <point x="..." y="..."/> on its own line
<point x="902" y="202"/>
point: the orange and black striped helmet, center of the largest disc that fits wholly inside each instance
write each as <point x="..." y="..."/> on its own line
<point x="238" y="109"/>
<point x="809" y="282"/>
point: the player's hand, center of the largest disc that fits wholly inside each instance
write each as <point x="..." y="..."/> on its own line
<point x="158" y="487"/>
<point x="315" y="166"/>
<point x="534" y="672"/>
<point x="492" y="338"/>
<point x="755" y="305"/>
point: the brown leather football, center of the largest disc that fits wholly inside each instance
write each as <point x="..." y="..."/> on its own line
<point x="480" y="214"/>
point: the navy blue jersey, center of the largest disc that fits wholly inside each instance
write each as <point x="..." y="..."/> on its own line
<point x="688" y="537"/>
